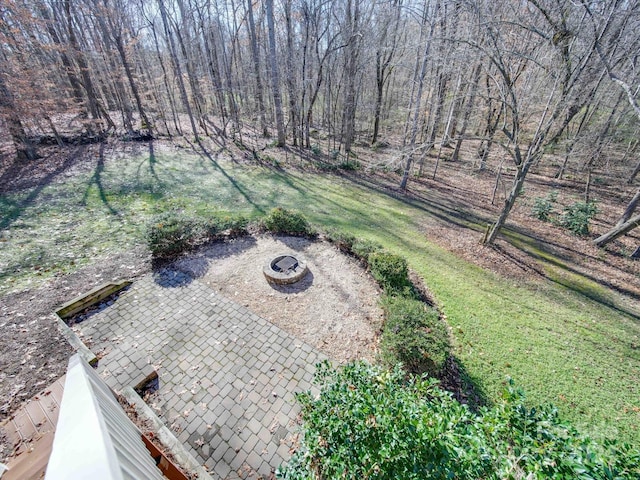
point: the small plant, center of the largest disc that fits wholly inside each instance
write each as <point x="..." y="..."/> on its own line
<point x="234" y="225"/>
<point x="578" y="215"/>
<point x="543" y="206"/>
<point x="315" y="149"/>
<point x="413" y="335"/>
<point x="343" y="241"/>
<point x="349" y="165"/>
<point x="280" y="220"/>
<point x="391" y="272"/>
<point x="171" y="233"/>
<point x="363" y="248"/>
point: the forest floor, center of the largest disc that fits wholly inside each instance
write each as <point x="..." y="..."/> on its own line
<point x="56" y="255"/>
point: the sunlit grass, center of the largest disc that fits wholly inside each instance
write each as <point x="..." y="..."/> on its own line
<point x="560" y="340"/>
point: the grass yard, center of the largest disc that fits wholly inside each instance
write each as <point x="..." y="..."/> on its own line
<point x="568" y="341"/>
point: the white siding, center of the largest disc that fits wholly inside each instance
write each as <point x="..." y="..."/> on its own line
<point x="95" y="439"/>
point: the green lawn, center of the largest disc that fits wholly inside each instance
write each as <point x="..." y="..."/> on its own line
<point x="566" y="341"/>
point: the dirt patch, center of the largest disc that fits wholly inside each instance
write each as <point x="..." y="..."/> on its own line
<point x="32" y="351"/>
<point x="333" y="308"/>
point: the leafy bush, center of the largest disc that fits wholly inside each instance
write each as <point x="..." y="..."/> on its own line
<point x="363" y="248"/>
<point x="372" y="423"/>
<point x="349" y="165"/>
<point x="343" y="241"/>
<point x="413" y="335"/>
<point x="543" y="206"/>
<point x="171" y="233"/>
<point x="578" y="215"/>
<point x="390" y="271"/>
<point x="235" y="225"/>
<point x="280" y="220"/>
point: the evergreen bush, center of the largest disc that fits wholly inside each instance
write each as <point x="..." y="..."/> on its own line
<point x="390" y="271"/>
<point x="578" y="215"/>
<point x="373" y="423"/>
<point x="171" y="233"/>
<point x="413" y="335"/>
<point x="281" y="220"/>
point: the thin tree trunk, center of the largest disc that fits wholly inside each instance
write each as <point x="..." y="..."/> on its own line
<point x="24" y="148"/>
<point x="92" y="102"/>
<point x="255" y="53"/>
<point x="275" y="75"/>
<point x="467" y="112"/>
<point x="417" y="107"/>
<point x="177" y="67"/>
<point x="617" y="231"/>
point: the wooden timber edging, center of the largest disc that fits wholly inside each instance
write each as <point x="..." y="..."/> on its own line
<point x="78" y="304"/>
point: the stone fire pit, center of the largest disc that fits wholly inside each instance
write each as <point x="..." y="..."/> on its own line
<point x="285" y="269"/>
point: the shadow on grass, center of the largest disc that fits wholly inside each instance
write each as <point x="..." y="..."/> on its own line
<point x="453" y="212"/>
<point x="97" y="180"/>
<point x="465" y="387"/>
<point x="203" y="151"/>
<point x="568" y="277"/>
<point x="12" y="210"/>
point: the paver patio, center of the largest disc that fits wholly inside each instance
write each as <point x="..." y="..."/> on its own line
<point x="227" y="377"/>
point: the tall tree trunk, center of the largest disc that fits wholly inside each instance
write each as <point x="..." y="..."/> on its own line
<point x="416" y="110"/>
<point x="177" y="67"/>
<point x="275" y="75"/>
<point x="509" y="202"/>
<point x="255" y="54"/>
<point x="473" y="89"/>
<point x="132" y="83"/>
<point x="353" y="47"/>
<point x="92" y="101"/>
<point x="24" y="148"/>
<point x="290" y="76"/>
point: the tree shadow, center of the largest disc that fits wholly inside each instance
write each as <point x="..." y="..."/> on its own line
<point x="466" y="388"/>
<point x="182" y="271"/>
<point x="202" y="149"/>
<point x="168" y="277"/>
<point x="96" y="179"/>
<point x="14" y="209"/>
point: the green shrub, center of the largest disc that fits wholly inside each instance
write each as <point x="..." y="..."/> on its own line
<point x="368" y="422"/>
<point x="235" y="225"/>
<point x="543" y="206"/>
<point x="343" y="241"/>
<point x="363" y="248"/>
<point x="171" y="233"/>
<point x="280" y="220"/>
<point x="577" y="217"/>
<point x="413" y="335"/>
<point x="390" y="271"/>
<point x="349" y="165"/>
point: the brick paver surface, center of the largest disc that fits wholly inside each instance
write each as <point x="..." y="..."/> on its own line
<point x="227" y="377"/>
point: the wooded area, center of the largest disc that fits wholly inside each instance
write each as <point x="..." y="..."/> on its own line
<point x="525" y="83"/>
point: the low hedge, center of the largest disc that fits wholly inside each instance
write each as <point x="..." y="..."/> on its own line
<point x="172" y="233"/>
<point x="413" y="335"/>
<point x="290" y="222"/>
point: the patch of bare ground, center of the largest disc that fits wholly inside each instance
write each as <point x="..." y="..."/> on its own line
<point x="33" y="353"/>
<point x="333" y="308"/>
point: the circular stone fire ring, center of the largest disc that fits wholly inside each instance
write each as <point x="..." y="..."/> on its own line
<point x="285" y="269"/>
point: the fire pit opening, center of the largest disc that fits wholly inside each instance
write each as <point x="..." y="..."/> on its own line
<point x="285" y="269"/>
